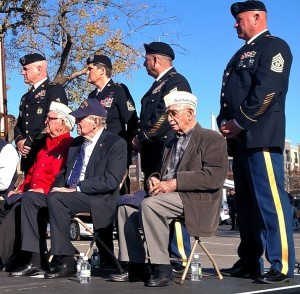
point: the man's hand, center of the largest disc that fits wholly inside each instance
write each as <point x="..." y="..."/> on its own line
<point x="230" y="130"/>
<point x="163" y="187"/>
<point x="62" y="189"/>
<point x="13" y="192"/>
<point x="24" y="150"/>
<point x="38" y="190"/>
<point x="136" y="146"/>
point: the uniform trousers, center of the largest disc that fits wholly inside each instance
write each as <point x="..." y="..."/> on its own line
<point x="154" y="216"/>
<point x="263" y="209"/>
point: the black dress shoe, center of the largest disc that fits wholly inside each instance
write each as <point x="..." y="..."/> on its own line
<point x="27" y="271"/>
<point x="61" y="271"/>
<point x="119" y="277"/>
<point x="273" y="276"/>
<point x="160" y="280"/>
<point x="240" y="271"/>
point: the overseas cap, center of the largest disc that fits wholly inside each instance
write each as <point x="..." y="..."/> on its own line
<point x="31" y="58"/>
<point x="100" y="59"/>
<point x="159" y="48"/>
<point x="89" y="107"/>
<point x="250" y="5"/>
<point x="181" y="97"/>
<point x="64" y="111"/>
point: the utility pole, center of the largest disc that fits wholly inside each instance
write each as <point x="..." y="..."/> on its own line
<point x="3" y="97"/>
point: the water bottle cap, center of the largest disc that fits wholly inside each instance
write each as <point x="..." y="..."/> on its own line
<point x="85" y="257"/>
<point x="196" y="255"/>
<point x="95" y="250"/>
<point x="81" y="254"/>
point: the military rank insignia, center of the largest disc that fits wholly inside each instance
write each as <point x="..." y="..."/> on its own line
<point x="277" y="63"/>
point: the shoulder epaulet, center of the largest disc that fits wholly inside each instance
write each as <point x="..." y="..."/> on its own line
<point x="270" y="37"/>
<point x="52" y="84"/>
<point x="118" y="84"/>
<point x="173" y="73"/>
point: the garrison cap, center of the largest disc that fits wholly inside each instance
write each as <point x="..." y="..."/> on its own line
<point x="88" y="107"/>
<point x="100" y="59"/>
<point x="181" y="97"/>
<point x="159" y="48"/>
<point x="31" y="58"/>
<point x="250" y="5"/>
<point x="63" y="110"/>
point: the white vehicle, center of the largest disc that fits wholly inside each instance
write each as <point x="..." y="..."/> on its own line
<point x="224" y="212"/>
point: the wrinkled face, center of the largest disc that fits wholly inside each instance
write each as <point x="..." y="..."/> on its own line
<point x="31" y="73"/>
<point x="94" y="73"/>
<point x="85" y="126"/>
<point x="179" y="118"/>
<point x="245" y="25"/>
<point x="54" y="125"/>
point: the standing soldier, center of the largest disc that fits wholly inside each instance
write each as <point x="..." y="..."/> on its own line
<point x="252" y="118"/>
<point x="29" y="132"/>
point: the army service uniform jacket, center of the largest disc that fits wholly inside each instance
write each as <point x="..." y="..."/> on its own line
<point x="33" y="110"/>
<point x="121" y="114"/>
<point x="254" y="88"/>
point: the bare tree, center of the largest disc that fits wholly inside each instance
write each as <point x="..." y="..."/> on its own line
<point x="68" y="31"/>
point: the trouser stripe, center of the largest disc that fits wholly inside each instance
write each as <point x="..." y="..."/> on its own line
<point x="179" y="240"/>
<point x="278" y="207"/>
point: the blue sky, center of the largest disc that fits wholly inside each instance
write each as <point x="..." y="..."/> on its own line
<point x="206" y="33"/>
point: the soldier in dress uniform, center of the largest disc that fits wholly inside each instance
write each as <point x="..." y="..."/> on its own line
<point x="252" y="118"/>
<point x="154" y="129"/>
<point x="29" y="132"/>
<point x="121" y="120"/>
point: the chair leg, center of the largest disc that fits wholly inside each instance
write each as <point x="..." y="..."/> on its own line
<point x="188" y="263"/>
<point x="116" y="261"/>
<point x="211" y="259"/>
<point x="90" y="246"/>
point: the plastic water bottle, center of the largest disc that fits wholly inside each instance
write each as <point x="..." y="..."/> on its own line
<point x="78" y="264"/>
<point x="196" y="270"/>
<point x="95" y="260"/>
<point x="85" y="272"/>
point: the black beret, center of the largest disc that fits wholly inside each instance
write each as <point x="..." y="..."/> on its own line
<point x="250" y="5"/>
<point x="100" y="59"/>
<point x="159" y="48"/>
<point x="31" y="58"/>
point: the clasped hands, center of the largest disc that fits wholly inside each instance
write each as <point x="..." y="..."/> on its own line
<point x="230" y="130"/>
<point x="155" y="186"/>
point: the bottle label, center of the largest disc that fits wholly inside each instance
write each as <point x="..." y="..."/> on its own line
<point x="85" y="273"/>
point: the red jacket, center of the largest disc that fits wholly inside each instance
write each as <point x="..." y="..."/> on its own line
<point x="47" y="164"/>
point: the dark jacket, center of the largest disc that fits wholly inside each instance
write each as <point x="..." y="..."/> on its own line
<point x="103" y="175"/>
<point x="254" y="88"/>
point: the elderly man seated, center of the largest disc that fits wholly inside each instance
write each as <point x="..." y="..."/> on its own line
<point x="89" y="182"/>
<point x="189" y="183"/>
<point x="37" y="183"/>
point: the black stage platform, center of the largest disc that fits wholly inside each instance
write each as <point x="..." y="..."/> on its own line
<point x="210" y="284"/>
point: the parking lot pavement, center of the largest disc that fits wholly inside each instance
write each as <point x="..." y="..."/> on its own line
<point x="222" y="246"/>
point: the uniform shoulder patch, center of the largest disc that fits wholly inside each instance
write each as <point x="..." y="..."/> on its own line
<point x="130" y="106"/>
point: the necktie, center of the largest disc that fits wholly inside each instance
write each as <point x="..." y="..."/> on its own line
<point x="77" y="168"/>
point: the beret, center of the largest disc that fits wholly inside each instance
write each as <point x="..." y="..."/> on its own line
<point x="31" y="58"/>
<point x="100" y="59"/>
<point x="88" y="107"/>
<point x="159" y="48"/>
<point x="250" y="5"/>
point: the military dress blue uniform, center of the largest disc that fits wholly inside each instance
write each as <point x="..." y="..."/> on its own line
<point x="33" y="110"/>
<point x="255" y="83"/>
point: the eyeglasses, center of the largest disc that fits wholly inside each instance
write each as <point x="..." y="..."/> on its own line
<point x="51" y="118"/>
<point x="173" y="112"/>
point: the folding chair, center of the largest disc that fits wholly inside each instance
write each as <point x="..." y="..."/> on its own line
<point x="198" y="241"/>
